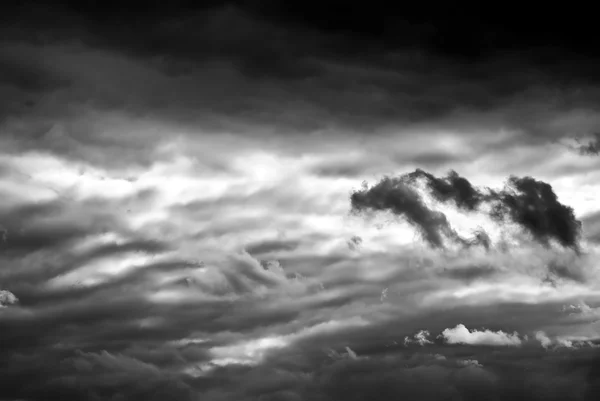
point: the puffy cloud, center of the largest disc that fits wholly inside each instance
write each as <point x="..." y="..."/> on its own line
<point x="461" y="335"/>
<point x="354" y="243"/>
<point x="7" y="298"/>
<point x="543" y="339"/>
<point x="420" y="338"/>
<point x="469" y="362"/>
<point x="533" y="205"/>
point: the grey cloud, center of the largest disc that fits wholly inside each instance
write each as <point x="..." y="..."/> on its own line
<point x="534" y="206"/>
<point x="399" y="198"/>
<point x="530" y="203"/>
<point x="592" y="147"/>
<point x="354" y="243"/>
<point x="470" y="272"/>
<point x="50" y="225"/>
<point x="563" y="268"/>
<point x="591" y="226"/>
<point x="115" y="348"/>
<point x="256" y="76"/>
<point x="502" y="376"/>
<point x="7" y="298"/>
<point x="271" y="246"/>
<point x="452" y="187"/>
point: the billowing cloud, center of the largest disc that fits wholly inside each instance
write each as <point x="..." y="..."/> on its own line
<point x="453" y="187"/>
<point x="461" y="335"/>
<point x="7" y="298"/>
<point x="533" y="205"/>
<point x="392" y="194"/>
<point x="543" y="339"/>
<point x="421" y="338"/>
<point x="525" y="201"/>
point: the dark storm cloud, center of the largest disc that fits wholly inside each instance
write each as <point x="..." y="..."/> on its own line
<point x="243" y="68"/>
<point x="109" y="88"/>
<point x="525" y="201"/>
<point x="394" y="195"/>
<point x="453" y="187"/>
<point x="533" y="205"/>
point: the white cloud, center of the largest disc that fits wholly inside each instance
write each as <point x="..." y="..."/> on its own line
<point x="419" y="338"/>
<point x="351" y="353"/>
<point x="564" y="341"/>
<point x="470" y="362"/>
<point x="461" y="335"/>
<point x="7" y="298"/>
<point x="543" y="339"/>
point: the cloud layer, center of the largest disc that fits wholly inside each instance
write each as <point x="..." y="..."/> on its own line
<point x="177" y="218"/>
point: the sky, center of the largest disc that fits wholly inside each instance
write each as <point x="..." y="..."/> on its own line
<point x="262" y="200"/>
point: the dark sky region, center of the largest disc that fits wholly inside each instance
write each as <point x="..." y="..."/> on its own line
<point x="262" y="200"/>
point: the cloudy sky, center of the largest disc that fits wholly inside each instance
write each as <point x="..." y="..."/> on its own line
<point x="262" y="200"/>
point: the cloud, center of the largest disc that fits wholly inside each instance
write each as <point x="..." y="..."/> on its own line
<point x="470" y="272"/>
<point x="533" y="205"/>
<point x="7" y="298"/>
<point x="351" y="353"/>
<point x="420" y="338"/>
<point x="452" y="187"/>
<point x="591" y="227"/>
<point x="384" y="294"/>
<point x="392" y="194"/>
<point x="461" y="335"/>
<point x="354" y="243"/>
<point x="139" y="214"/>
<point x="590" y="148"/>
<point x="469" y="362"/>
<point x="271" y="246"/>
<point x="525" y="201"/>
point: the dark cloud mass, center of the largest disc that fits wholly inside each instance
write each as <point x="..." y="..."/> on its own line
<point x="533" y="205"/>
<point x="174" y="201"/>
<point x="453" y="187"/>
<point x="402" y="200"/>
<point x="529" y="203"/>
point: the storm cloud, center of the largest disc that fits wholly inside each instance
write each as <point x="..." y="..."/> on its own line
<point x="525" y="201"/>
<point x="175" y="187"/>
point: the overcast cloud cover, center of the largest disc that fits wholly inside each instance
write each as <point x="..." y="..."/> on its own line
<point x="261" y="200"/>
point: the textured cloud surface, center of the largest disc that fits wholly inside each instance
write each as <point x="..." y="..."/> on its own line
<point x="263" y="200"/>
